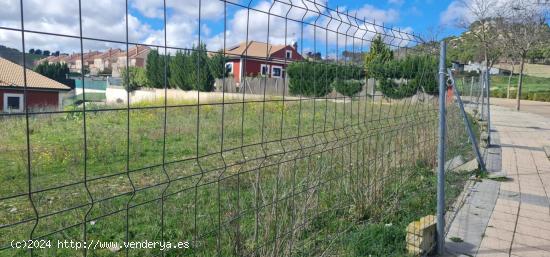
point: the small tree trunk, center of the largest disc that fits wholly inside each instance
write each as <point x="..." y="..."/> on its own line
<point x="510" y="81"/>
<point x="520" y="82"/>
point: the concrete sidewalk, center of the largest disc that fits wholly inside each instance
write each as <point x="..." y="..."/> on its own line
<point x="520" y="222"/>
<point x="513" y="219"/>
<point x="533" y="107"/>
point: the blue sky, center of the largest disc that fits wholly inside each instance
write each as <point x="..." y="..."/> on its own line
<point x="420" y="15"/>
<point x="105" y="19"/>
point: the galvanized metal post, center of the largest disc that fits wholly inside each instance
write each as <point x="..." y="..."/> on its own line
<point x="441" y="153"/>
<point x="471" y="94"/>
<point x="471" y="135"/>
<point x="482" y="93"/>
<point x="488" y="83"/>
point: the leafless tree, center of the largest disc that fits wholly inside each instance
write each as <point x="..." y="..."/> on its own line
<point x="480" y="20"/>
<point x="524" y="28"/>
<point x="512" y="61"/>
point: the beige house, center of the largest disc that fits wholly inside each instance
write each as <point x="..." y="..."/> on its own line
<point x="54" y="59"/>
<point x="88" y="61"/>
<point x="96" y="62"/>
<point x="104" y="61"/>
<point x="74" y="61"/>
<point x="137" y="57"/>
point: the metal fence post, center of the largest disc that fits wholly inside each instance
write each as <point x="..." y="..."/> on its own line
<point x="482" y="93"/>
<point x="471" y="88"/>
<point x="441" y="153"/>
<point x="488" y="84"/>
<point x="471" y="135"/>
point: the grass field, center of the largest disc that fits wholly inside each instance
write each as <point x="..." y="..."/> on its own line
<point x="534" y="88"/>
<point x="298" y="178"/>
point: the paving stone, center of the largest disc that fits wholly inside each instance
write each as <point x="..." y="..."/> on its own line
<point x="518" y="220"/>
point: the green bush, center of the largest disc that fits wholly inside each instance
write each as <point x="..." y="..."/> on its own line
<point x="530" y="95"/>
<point x="395" y="90"/>
<point x="348" y="87"/>
<point x="499" y="93"/>
<point x="135" y="79"/>
<point x="542" y="96"/>
<point x="316" y="79"/>
<point x="419" y="73"/>
<point x="426" y="83"/>
<point x="310" y="78"/>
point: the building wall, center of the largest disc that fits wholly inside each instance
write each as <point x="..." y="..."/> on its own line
<point x="253" y="67"/>
<point x="36" y="99"/>
<point x="281" y="54"/>
<point x="237" y="70"/>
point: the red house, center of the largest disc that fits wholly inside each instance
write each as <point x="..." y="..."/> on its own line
<point x="259" y="59"/>
<point x="42" y="92"/>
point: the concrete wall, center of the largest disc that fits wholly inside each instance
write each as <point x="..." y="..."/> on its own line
<point x="232" y="91"/>
<point x="118" y="95"/>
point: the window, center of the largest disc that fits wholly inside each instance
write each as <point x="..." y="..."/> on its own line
<point x="13" y="102"/>
<point x="229" y="68"/>
<point x="276" y="71"/>
<point x="288" y="54"/>
<point x="264" y="69"/>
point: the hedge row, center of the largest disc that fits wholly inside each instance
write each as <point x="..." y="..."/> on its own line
<point x="318" y="79"/>
<point x="543" y="96"/>
<point x="348" y="87"/>
<point x="403" y="78"/>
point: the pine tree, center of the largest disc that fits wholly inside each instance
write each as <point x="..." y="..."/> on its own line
<point x="379" y="52"/>
<point x="201" y="77"/>
<point x="180" y="70"/>
<point x="155" y="69"/>
<point x="216" y="64"/>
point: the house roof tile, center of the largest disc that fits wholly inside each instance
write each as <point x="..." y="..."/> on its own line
<point x="254" y="49"/>
<point x="135" y="52"/>
<point x="111" y="53"/>
<point x="11" y="75"/>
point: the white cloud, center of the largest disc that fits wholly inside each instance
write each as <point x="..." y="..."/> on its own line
<point x="359" y="35"/>
<point x="263" y="19"/>
<point x="211" y="10"/>
<point x="106" y="19"/>
<point x="101" y="19"/>
<point x="455" y="12"/>
<point x="464" y="12"/>
<point x="370" y="12"/>
<point x="396" y="2"/>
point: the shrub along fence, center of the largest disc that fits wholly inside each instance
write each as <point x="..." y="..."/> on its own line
<point x="317" y="174"/>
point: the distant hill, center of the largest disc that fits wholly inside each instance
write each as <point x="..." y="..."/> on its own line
<point x="15" y="56"/>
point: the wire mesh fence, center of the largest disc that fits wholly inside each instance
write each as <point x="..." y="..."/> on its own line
<point x="318" y="170"/>
<point x="474" y="91"/>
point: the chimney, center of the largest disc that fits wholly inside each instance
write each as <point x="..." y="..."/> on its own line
<point x="295" y="45"/>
